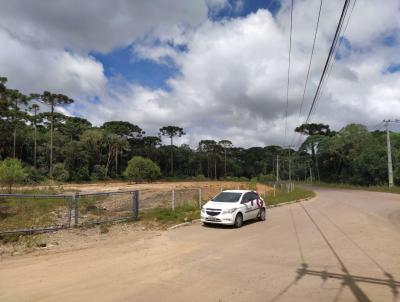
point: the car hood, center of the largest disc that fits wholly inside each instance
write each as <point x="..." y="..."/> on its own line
<point x="221" y="205"/>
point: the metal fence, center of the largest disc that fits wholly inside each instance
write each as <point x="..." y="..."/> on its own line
<point x="100" y="207"/>
<point x="27" y="212"/>
<point x="24" y="213"/>
<point x="173" y="198"/>
<point x="33" y="213"/>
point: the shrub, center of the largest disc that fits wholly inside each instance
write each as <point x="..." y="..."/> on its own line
<point x="199" y="177"/>
<point x="60" y="173"/>
<point x="33" y="175"/>
<point x="265" y="178"/>
<point x="98" y="173"/>
<point x="140" y="169"/>
<point x="11" y="172"/>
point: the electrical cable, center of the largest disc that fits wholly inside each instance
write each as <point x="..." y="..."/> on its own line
<point x="329" y="58"/>
<point x="288" y="72"/>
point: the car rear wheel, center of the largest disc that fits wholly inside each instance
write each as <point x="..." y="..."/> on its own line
<point x="238" y="221"/>
<point x="261" y="216"/>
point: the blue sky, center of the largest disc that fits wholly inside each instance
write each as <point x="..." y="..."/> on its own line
<point x="210" y="66"/>
<point x="124" y="64"/>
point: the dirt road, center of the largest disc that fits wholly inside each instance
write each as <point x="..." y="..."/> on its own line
<point x="340" y="246"/>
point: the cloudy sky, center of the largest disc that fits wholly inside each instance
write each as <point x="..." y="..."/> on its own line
<point x="218" y="68"/>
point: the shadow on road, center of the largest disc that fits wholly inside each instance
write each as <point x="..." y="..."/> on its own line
<point x="221" y="226"/>
<point x="348" y="279"/>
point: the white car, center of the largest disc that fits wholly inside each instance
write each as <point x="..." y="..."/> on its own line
<point x="232" y="207"/>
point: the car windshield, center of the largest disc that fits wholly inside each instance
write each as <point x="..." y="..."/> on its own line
<point x="227" y="197"/>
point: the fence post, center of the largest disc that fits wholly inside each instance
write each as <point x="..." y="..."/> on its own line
<point x="173" y="199"/>
<point x="135" y="206"/>
<point x="76" y="209"/>
<point x="69" y="211"/>
<point x="274" y="189"/>
<point x="200" y="198"/>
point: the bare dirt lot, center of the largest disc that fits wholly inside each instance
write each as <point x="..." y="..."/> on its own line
<point x="340" y="246"/>
<point x="115" y="186"/>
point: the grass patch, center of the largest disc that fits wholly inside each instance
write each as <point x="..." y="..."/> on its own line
<point x="30" y="212"/>
<point x="282" y="196"/>
<point x="34" y="191"/>
<point x="184" y="213"/>
<point x="382" y="188"/>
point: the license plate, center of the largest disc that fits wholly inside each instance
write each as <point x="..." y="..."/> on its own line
<point x="211" y="218"/>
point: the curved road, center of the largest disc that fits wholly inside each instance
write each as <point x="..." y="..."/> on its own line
<point x="340" y="246"/>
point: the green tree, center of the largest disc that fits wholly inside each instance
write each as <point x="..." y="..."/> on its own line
<point x="140" y="168"/>
<point x="314" y="130"/>
<point x="16" y="98"/>
<point x="11" y="172"/>
<point x="211" y="148"/>
<point x="74" y="127"/>
<point x="52" y="100"/>
<point x="171" y="132"/>
<point x="126" y="129"/>
<point x="34" y="119"/>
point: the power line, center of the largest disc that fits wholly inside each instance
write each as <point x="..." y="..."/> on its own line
<point x="329" y="58"/>
<point x="309" y="64"/>
<point x="333" y="61"/>
<point x="288" y="73"/>
<point x="318" y="96"/>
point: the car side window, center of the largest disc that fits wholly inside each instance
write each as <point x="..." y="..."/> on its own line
<point x="246" y="198"/>
<point x="254" y="196"/>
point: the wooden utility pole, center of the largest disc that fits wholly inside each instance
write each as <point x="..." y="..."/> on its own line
<point x="290" y="163"/>
<point x="277" y="168"/>
<point x="389" y="151"/>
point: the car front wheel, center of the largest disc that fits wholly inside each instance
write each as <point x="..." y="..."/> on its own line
<point x="238" y="220"/>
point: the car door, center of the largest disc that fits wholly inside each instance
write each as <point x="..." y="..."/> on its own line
<point x="248" y="206"/>
<point x="253" y="204"/>
<point x="256" y="207"/>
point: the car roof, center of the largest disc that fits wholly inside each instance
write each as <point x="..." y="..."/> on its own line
<point x="238" y="191"/>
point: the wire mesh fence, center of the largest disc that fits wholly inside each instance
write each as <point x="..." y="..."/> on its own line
<point x="28" y="212"/>
<point x="173" y="198"/>
<point x="92" y="208"/>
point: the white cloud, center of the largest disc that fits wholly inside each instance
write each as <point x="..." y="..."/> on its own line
<point x="232" y="80"/>
<point x="34" y="69"/>
<point x="99" y="25"/>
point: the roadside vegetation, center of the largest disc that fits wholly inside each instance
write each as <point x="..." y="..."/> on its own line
<point x="51" y="145"/>
<point x="282" y="195"/>
<point x="184" y="213"/>
<point x="381" y="188"/>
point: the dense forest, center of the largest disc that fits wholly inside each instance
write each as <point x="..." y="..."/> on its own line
<point x="65" y="148"/>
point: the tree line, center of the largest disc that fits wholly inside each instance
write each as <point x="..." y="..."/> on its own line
<point x="66" y="148"/>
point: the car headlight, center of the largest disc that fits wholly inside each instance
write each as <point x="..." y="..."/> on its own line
<point x="203" y="210"/>
<point x="229" y="211"/>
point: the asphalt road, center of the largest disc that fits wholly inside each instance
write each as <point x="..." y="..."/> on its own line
<point x="340" y="246"/>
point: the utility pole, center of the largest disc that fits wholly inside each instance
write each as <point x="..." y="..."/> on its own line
<point x="290" y="163"/>
<point x="389" y="151"/>
<point x="277" y="168"/>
